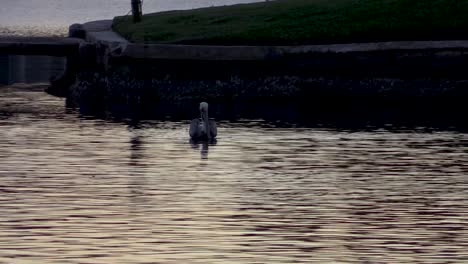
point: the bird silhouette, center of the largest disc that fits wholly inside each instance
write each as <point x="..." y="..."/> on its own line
<point x="203" y="128"/>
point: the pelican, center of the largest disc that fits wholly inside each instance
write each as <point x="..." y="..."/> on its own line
<point x="203" y="128"/>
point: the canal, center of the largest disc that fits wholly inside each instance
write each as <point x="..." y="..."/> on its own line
<point x="77" y="189"/>
<point x="82" y="188"/>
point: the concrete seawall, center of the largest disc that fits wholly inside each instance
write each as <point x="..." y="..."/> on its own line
<point x="169" y="80"/>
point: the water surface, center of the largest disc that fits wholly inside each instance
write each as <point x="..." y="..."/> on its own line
<point x="76" y="189"/>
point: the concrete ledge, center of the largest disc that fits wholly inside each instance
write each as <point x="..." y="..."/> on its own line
<point x="101" y="31"/>
<point x="52" y="46"/>
<point x="194" y="52"/>
<point x="98" y="25"/>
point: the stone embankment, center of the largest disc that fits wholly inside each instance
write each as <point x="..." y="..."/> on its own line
<point x="169" y="79"/>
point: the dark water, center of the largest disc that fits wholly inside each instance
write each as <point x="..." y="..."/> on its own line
<point x="30" y="69"/>
<point x="83" y="190"/>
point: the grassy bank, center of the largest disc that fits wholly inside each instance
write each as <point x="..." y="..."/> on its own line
<point x="295" y="22"/>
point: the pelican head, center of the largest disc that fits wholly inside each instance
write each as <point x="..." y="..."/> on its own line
<point x="203" y="108"/>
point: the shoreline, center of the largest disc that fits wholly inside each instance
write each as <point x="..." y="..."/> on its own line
<point x="170" y="80"/>
<point x="101" y="33"/>
<point x="301" y="22"/>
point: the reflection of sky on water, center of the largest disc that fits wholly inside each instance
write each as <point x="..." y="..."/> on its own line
<point x="44" y="17"/>
<point x="79" y="190"/>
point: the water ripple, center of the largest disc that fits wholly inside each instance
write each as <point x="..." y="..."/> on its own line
<point x="80" y="190"/>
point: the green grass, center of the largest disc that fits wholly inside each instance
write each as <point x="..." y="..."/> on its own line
<point x="298" y="22"/>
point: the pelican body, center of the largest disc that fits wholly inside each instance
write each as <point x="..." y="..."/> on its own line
<point x="203" y="128"/>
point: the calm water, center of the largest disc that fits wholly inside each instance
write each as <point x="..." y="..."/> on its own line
<point x="52" y="17"/>
<point x="80" y="190"/>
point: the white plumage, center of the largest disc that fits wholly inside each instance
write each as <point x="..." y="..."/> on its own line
<point x="203" y="128"/>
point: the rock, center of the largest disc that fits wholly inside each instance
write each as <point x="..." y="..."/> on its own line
<point x="60" y="85"/>
<point x="77" y="31"/>
<point x="87" y="54"/>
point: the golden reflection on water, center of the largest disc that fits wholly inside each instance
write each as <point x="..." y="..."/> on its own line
<point x="78" y="190"/>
